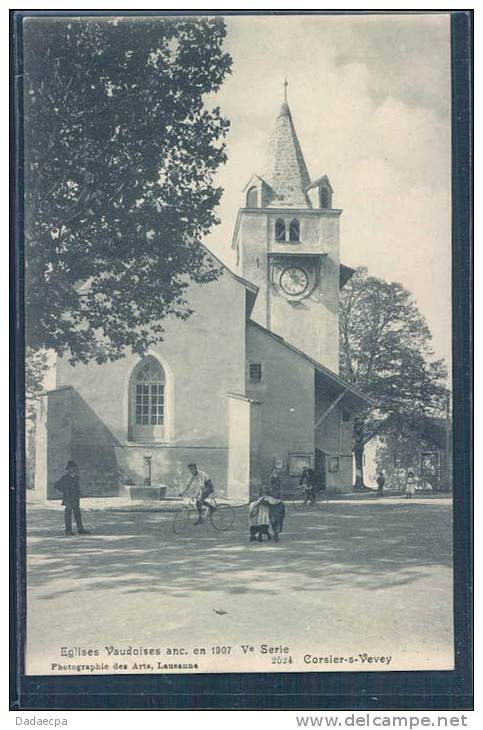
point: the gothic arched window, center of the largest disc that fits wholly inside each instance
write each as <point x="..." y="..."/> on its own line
<point x="294" y="234"/>
<point x="280" y="230"/>
<point x="324" y="198"/>
<point x="147" y="401"/>
<point x="252" y="198"/>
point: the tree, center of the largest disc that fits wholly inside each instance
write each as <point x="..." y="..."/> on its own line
<point x="36" y="367"/>
<point x="120" y="154"/>
<point x="420" y="444"/>
<point x="385" y="349"/>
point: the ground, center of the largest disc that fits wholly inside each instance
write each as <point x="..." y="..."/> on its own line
<point x="357" y="579"/>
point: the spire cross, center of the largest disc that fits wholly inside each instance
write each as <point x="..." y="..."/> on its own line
<point x="285" y="84"/>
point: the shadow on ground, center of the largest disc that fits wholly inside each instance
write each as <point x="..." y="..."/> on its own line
<point x="374" y="546"/>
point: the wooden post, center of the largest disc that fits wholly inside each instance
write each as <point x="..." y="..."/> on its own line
<point x="330" y="408"/>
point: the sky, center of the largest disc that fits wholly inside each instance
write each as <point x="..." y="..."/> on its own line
<point x="370" y="100"/>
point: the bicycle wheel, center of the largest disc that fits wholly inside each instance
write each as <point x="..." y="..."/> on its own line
<point x="300" y="501"/>
<point x="321" y="500"/>
<point x="183" y="518"/>
<point x="222" y="517"/>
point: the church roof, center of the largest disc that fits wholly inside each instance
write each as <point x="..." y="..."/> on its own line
<point x="286" y="171"/>
<point x="336" y="381"/>
<point x="247" y="284"/>
<point x="321" y="180"/>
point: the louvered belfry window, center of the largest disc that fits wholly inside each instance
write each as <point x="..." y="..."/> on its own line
<point x="295" y="230"/>
<point x="149" y="405"/>
<point x="280" y="230"/>
<point x="252" y="198"/>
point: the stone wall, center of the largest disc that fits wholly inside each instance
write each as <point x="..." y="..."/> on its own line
<point x="69" y="429"/>
<point x="286" y="396"/>
<point x="87" y="418"/>
<point x="169" y="466"/>
<point x="203" y="359"/>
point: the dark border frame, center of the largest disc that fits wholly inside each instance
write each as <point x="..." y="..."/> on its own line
<point x="431" y="690"/>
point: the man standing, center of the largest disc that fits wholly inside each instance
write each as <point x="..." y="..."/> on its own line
<point x="69" y="486"/>
<point x="204" y="487"/>
<point x="380" y="483"/>
<point x="274" y="483"/>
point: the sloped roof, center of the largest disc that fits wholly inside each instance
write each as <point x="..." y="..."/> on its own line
<point x="254" y="180"/>
<point x="323" y="179"/>
<point x="286" y="171"/>
<point x="247" y="284"/>
<point x="345" y="273"/>
<point x="327" y="374"/>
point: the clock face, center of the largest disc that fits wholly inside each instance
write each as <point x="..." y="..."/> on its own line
<point x="294" y="280"/>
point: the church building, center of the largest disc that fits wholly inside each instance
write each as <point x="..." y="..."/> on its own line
<point x="250" y="381"/>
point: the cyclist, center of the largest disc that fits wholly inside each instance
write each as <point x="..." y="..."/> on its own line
<point x="204" y="485"/>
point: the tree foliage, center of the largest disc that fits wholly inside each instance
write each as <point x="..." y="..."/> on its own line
<point x="385" y="349"/>
<point x="121" y="150"/>
<point x="36" y="365"/>
<point x="420" y="444"/>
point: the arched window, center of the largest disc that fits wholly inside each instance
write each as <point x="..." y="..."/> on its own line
<point x="252" y="198"/>
<point x="147" y="401"/>
<point x="324" y="198"/>
<point x="280" y="230"/>
<point x="294" y="230"/>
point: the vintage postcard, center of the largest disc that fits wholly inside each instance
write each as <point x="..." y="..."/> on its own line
<point x="237" y="240"/>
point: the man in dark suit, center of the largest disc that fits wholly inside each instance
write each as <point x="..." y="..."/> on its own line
<point x="69" y="486"/>
<point x="380" y="483"/>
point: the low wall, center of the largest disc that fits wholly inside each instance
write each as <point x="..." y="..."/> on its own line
<point x="69" y="429"/>
<point x="169" y="465"/>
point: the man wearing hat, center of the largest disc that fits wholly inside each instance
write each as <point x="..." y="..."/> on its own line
<point x="69" y="486"/>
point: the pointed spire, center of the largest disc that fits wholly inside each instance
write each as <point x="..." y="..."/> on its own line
<point x="286" y="171"/>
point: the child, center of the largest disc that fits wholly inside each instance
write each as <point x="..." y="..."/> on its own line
<point x="259" y="514"/>
<point x="410" y="484"/>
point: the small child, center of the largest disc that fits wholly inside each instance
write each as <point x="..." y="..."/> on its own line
<point x="410" y="484"/>
<point x="259" y="514"/>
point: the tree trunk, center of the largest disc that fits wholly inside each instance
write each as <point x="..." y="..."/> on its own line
<point x="359" y="453"/>
<point x="359" y="457"/>
<point x="30" y="456"/>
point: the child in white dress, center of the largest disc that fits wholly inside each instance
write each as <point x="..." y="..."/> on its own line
<point x="410" y="484"/>
<point x="259" y="514"/>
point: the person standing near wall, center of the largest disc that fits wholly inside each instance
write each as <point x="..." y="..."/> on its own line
<point x="274" y="483"/>
<point x="380" y="483"/>
<point x="71" y="494"/>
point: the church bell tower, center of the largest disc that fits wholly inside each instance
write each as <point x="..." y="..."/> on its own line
<point x="286" y="242"/>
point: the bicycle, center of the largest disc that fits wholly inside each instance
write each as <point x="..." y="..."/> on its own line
<point x="220" y="515"/>
<point x="301" y="501"/>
